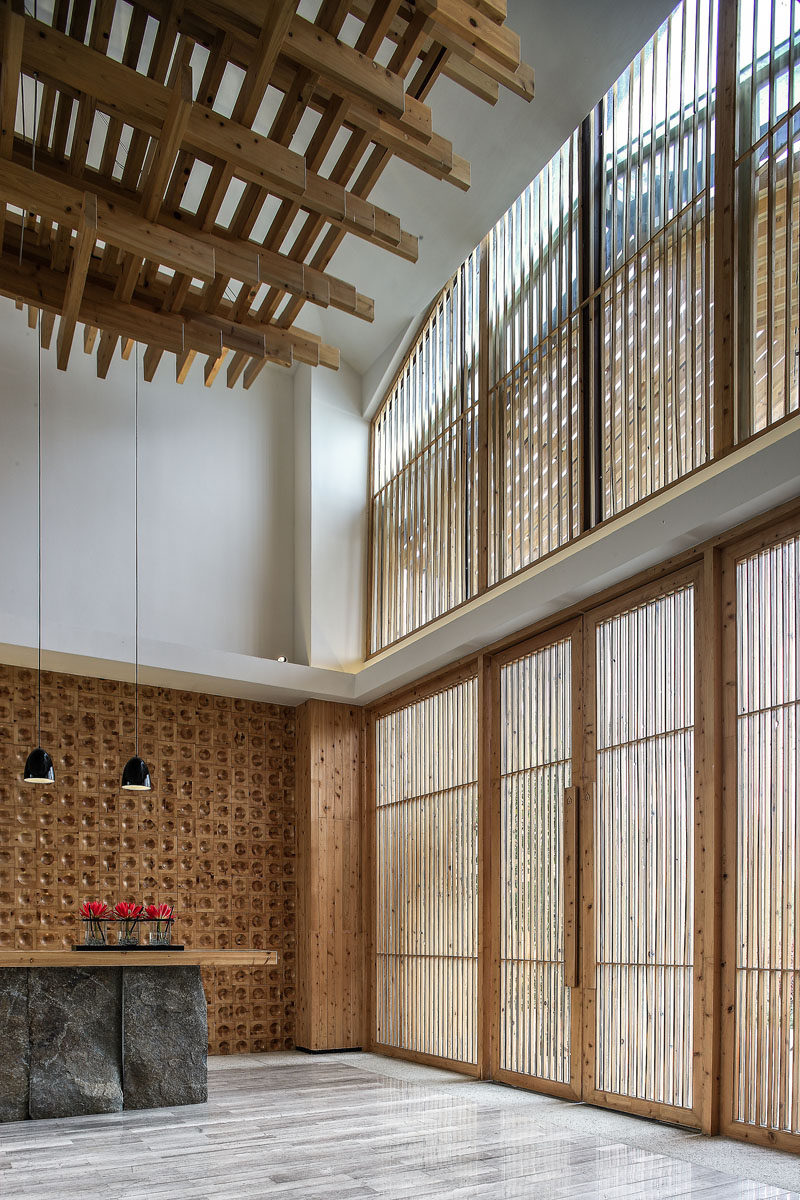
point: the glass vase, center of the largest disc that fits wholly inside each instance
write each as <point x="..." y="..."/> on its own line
<point x="95" y="931"/>
<point x="128" y="933"/>
<point x="161" y="932"/>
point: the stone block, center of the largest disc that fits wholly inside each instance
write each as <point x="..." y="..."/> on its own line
<point x="14" y="1044"/>
<point x="165" y="1043"/>
<point x="75" y="1017"/>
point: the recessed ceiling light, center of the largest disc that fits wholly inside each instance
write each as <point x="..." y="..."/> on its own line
<point x="281" y="658"/>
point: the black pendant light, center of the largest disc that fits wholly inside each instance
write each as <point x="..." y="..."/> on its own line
<point x="39" y="764"/>
<point x="136" y="774"/>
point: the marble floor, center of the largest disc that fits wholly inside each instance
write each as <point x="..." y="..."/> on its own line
<point x="346" y="1126"/>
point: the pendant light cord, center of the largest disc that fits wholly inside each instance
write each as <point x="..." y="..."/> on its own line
<point x="136" y="527"/>
<point x="38" y="414"/>
<point x="39" y="512"/>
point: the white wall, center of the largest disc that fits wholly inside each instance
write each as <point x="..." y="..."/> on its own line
<point x="216" y="503"/>
<point x="331" y="470"/>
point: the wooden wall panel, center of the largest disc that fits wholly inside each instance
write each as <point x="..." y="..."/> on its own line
<point x="216" y="835"/>
<point x="330" y="984"/>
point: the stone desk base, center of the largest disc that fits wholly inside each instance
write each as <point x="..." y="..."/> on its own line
<point x="100" y="1039"/>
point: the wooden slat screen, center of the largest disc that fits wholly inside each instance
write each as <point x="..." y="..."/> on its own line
<point x="655" y="377"/>
<point x="644" y="851"/>
<point x="536" y="767"/>
<point x="766" y="1066"/>
<point x="534" y="340"/>
<point x="768" y="192"/>
<point x="426" y="912"/>
<point x="424" y="472"/>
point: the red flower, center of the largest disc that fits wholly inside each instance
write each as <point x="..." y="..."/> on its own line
<point x="94" y="909"/>
<point x="158" y="912"/>
<point x="127" y="910"/>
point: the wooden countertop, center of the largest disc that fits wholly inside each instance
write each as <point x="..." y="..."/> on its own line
<point x="138" y="958"/>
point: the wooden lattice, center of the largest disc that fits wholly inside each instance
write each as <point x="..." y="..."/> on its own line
<point x="151" y="210"/>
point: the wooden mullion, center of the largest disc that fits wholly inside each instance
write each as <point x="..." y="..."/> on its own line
<point x="723" y="407"/>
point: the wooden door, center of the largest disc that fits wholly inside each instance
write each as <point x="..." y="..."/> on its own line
<point x="643" y="895"/>
<point x="536" y="738"/>
<point x="761" y="983"/>
<point x="425" y="919"/>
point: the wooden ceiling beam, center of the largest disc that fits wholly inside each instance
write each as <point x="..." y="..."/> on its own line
<point x="144" y="102"/>
<point x="10" y="69"/>
<point x="349" y="72"/>
<point x="278" y="16"/>
<point x="331" y="16"/>
<point x="173" y="132"/>
<point x="456" y="69"/>
<point x="78" y="271"/>
<point x="165" y="259"/>
<point x="173" y="242"/>
<point x="38" y="285"/>
<point x="458" y="23"/>
<point x="406" y="53"/>
<point x="402" y="60"/>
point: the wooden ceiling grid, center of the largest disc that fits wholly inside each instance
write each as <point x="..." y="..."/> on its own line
<point x="117" y="217"/>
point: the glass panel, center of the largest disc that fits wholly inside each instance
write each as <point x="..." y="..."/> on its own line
<point x="427" y="884"/>
<point x="768" y="208"/>
<point x="424" y="472"/>
<point x="656" y="261"/>
<point x="536" y="767"/>
<point x="644" y="851"/>
<point x="766" y="1052"/>
<point x="534" y="338"/>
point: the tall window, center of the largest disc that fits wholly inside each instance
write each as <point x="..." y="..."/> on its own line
<point x="533" y="369"/>
<point x="426" y="918"/>
<point x="644" y="852"/>
<point x="597" y="312"/>
<point x="536" y="752"/>
<point x="768" y="194"/>
<point x="766" y="1054"/>
<point x="424" y="471"/>
<point x="655" y="305"/>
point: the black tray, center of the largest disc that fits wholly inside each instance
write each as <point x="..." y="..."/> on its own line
<point x="127" y="949"/>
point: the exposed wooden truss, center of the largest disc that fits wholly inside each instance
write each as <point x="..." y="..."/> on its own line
<point x="181" y="172"/>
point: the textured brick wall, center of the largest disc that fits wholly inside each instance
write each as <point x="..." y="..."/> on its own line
<point x="216" y="836"/>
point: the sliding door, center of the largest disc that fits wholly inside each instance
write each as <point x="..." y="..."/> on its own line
<point x="538" y="1039"/>
<point x="761" y="1072"/>
<point x="642" y="969"/>
<point x="426" y="877"/>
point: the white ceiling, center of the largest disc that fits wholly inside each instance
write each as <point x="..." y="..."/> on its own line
<point x="577" y="49"/>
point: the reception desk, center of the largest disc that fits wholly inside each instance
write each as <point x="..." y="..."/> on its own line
<point x="99" y="1031"/>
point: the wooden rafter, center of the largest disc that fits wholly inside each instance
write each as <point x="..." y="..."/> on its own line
<point x="140" y="159"/>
